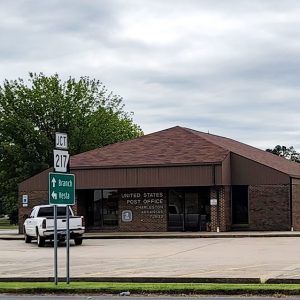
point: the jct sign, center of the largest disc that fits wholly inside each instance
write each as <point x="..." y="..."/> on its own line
<point x="61" y="141"/>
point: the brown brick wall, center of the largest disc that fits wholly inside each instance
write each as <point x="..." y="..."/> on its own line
<point x="221" y="213"/>
<point x="269" y="207"/>
<point x="148" y="207"/>
<point x="34" y="198"/>
<point x="296" y="206"/>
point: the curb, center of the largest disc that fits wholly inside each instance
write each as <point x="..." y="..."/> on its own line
<point x="136" y="280"/>
<point x="166" y="236"/>
<point x="252" y="280"/>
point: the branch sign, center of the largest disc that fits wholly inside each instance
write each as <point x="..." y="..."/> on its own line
<point x="61" y="189"/>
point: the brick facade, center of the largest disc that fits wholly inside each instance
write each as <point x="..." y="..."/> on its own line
<point x="34" y="198"/>
<point x="296" y="206"/>
<point x="148" y="209"/>
<point x="269" y="207"/>
<point x="220" y="213"/>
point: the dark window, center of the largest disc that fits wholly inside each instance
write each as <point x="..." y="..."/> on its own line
<point x="240" y="204"/>
<point x="49" y="212"/>
<point x="97" y="208"/>
<point x="110" y="207"/>
<point x="176" y="202"/>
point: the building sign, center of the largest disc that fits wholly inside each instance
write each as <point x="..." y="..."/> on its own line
<point x="213" y="202"/>
<point x="127" y="216"/>
<point x="150" y="204"/>
<point x="25" y="200"/>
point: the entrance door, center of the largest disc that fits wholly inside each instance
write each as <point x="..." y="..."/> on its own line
<point x="99" y="207"/>
<point x="176" y="210"/>
<point x="189" y="209"/>
<point x="192" y="212"/>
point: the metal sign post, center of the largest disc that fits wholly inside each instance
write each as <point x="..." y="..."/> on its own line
<point x="68" y="244"/>
<point x="55" y="245"/>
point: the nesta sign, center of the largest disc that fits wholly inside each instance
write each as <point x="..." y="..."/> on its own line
<point x="61" y="189"/>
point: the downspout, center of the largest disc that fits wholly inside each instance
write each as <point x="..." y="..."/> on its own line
<point x="291" y="203"/>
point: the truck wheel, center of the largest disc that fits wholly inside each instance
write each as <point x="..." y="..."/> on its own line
<point x="27" y="238"/>
<point x="78" y="241"/>
<point x="40" y="240"/>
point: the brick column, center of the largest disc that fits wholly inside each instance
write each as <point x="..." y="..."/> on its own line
<point x="219" y="212"/>
<point x="213" y="211"/>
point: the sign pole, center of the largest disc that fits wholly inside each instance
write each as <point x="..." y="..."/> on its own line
<point x="61" y="191"/>
<point x="55" y="245"/>
<point x="68" y="244"/>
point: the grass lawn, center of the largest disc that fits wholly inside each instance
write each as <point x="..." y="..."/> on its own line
<point x="4" y="224"/>
<point x="161" y="288"/>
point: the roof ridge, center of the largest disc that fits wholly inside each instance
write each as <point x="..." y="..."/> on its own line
<point x="264" y="152"/>
<point x="192" y="131"/>
<point x="229" y="139"/>
<point x="167" y="146"/>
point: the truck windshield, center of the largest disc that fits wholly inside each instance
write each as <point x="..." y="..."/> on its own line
<point x="49" y="212"/>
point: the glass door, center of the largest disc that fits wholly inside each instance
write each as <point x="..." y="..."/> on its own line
<point x="176" y="207"/>
<point x="192" y="212"/>
<point x="189" y="209"/>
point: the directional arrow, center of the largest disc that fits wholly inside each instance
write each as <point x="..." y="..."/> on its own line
<point x="54" y="195"/>
<point x="53" y="182"/>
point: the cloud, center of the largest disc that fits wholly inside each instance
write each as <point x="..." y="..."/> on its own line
<point x="230" y="67"/>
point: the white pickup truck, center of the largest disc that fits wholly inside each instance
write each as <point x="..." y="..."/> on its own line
<point x="40" y="225"/>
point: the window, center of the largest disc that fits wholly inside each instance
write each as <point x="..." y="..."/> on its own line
<point x="240" y="204"/>
<point x="110" y="207"/>
<point x="49" y="211"/>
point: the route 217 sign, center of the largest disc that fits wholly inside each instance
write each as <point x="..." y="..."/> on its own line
<point x="61" y="160"/>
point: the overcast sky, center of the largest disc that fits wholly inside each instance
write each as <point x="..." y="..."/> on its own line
<point x="228" y="67"/>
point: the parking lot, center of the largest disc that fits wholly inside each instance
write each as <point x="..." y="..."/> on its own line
<point x="272" y="257"/>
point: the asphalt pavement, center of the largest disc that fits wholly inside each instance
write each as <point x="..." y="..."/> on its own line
<point x="254" y="258"/>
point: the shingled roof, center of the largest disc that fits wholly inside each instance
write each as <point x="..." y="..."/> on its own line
<point x="178" y="146"/>
<point x="167" y="147"/>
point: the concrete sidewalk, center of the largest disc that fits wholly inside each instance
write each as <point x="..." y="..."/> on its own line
<point x="13" y="234"/>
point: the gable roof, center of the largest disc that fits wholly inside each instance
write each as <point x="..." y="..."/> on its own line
<point x="263" y="157"/>
<point x="167" y="147"/>
<point x="178" y="146"/>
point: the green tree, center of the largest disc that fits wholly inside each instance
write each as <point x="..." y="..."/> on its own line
<point x="286" y="152"/>
<point x="32" y="111"/>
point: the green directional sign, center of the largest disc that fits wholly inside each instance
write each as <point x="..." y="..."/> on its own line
<point x="61" y="188"/>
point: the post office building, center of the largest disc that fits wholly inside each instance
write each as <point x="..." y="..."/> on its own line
<point x="179" y="179"/>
